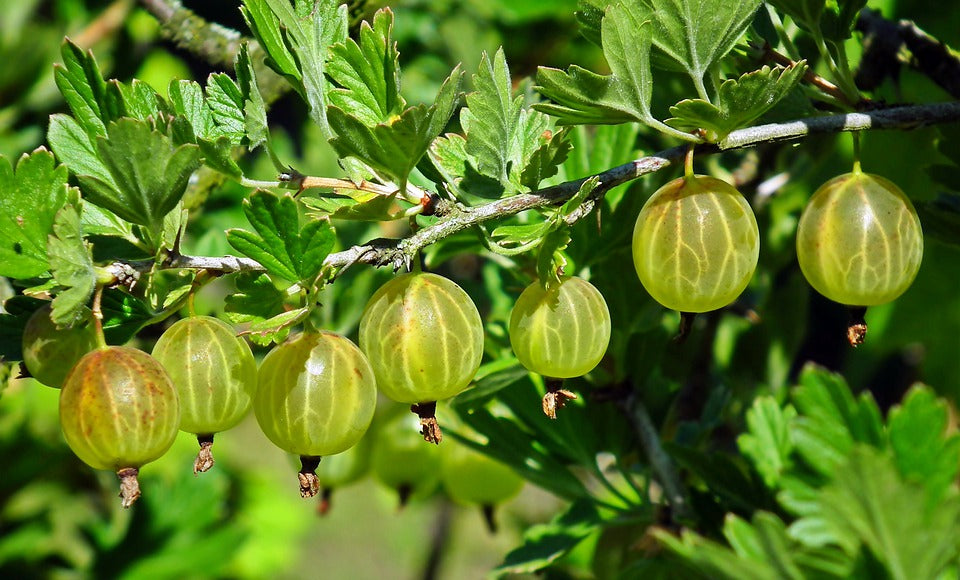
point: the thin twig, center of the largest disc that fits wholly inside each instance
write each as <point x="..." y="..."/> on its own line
<point x="662" y="465"/>
<point x="456" y="218"/>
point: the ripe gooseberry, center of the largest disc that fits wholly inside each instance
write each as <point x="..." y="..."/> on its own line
<point x="402" y="462"/>
<point x="859" y="240"/>
<point x="316" y="396"/>
<point x="472" y="478"/>
<point x="50" y="352"/>
<point x="119" y="411"/>
<point x="696" y="244"/>
<point x="424" y="338"/>
<point x="560" y="332"/>
<point x="215" y="375"/>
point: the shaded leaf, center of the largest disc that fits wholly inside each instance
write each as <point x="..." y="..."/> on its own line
<point x="767" y="440"/>
<point x="149" y="174"/>
<point x="543" y="544"/>
<point x="256" y="298"/>
<point x="30" y="197"/>
<point x="739" y="101"/>
<point x="71" y="264"/>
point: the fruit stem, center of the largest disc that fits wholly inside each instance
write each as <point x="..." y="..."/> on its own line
<point x="856" y="152"/>
<point x="856" y="325"/>
<point x="686" y="325"/>
<point x="429" y="426"/>
<point x="688" y="163"/>
<point x="129" y="486"/>
<point x="323" y="506"/>
<point x="98" y="322"/>
<point x="204" y="459"/>
<point x="309" y="482"/>
<point x="490" y="517"/>
<point x="556" y="397"/>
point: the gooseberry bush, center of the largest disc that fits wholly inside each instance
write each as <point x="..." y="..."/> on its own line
<point x="626" y="261"/>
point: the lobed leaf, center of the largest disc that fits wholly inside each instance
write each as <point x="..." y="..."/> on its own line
<point x="148" y="174"/>
<point x="368" y="73"/>
<point x="31" y="197"/>
<point x="254" y="110"/>
<point x="83" y="88"/>
<point x="256" y="298"/>
<point x="491" y="119"/>
<point x="394" y="148"/>
<point x="278" y="242"/>
<point x="71" y="264"/>
<point x="767" y="441"/>
<point x="739" y="101"/>
<point x="697" y="33"/>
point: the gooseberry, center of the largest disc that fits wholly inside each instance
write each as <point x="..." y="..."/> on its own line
<point x="472" y="478"/>
<point x="50" y="352"/>
<point x="215" y="375"/>
<point x="424" y="338"/>
<point x="859" y="240"/>
<point x="696" y="244"/>
<point x="316" y="396"/>
<point x="119" y="411"/>
<point x="402" y="462"/>
<point x="560" y="332"/>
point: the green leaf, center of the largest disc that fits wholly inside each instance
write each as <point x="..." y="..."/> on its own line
<point x="149" y="174"/>
<point x="292" y="256"/>
<point x="140" y="100"/>
<point x="254" y="110"/>
<point x="583" y="97"/>
<point x="372" y="207"/>
<point x="831" y="420"/>
<point x="395" y="148"/>
<point x="256" y="298"/>
<point x="739" y="101"/>
<point x="76" y="149"/>
<point x="546" y="159"/>
<point x="767" y="440"/>
<point x="910" y="535"/>
<point x="218" y="155"/>
<point x="83" y="88"/>
<point x="298" y="46"/>
<point x="188" y="102"/>
<point x="589" y="16"/>
<point x="29" y="199"/>
<point x="226" y="106"/>
<point x="166" y="287"/>
<point x="806" y="13"/>
<point x="586" y="188"/>
<point x="761" y="549"/>
<point x="368" y="73"/>
<point x="838" y="19"/>
<point x="277" y="328"/>
<point x="71" y="264"/>
<point x="544" y="544"/>
<point x="123" y="315"/>
<point x="491" y="119"/>
<point x="923" y="450"/>
<point x="550" y="259"/>
<point x="941" y="216"/>
<point x="698" y="33"/>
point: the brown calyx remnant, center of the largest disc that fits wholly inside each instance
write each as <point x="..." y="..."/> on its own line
<point x="556" y="397"/>
<point x="204" y="459"/>
<point x="309" y="482"/>
<point x="857" y="325"/>
<point x="129" y="486"/>
<point x="429" y="427"/>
